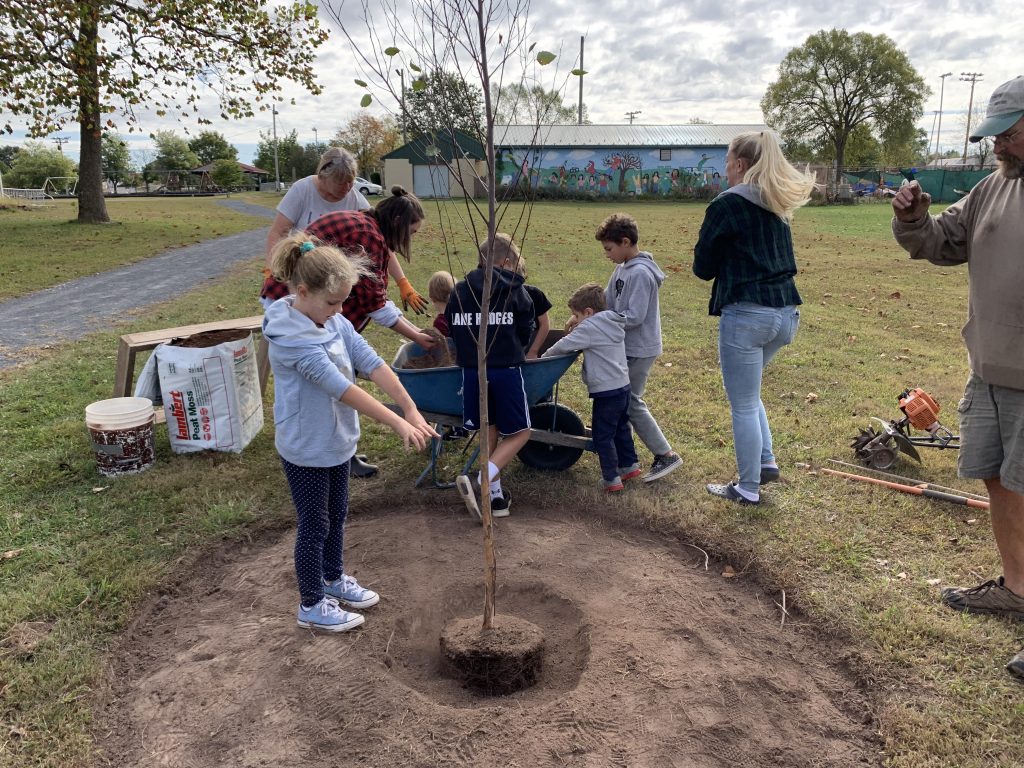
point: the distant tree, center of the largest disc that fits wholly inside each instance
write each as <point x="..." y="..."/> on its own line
<point x="523" y="104"/>
<point x="295" y="160"/>
<point x="368" y="138"/>
<point x="173" y="161"/>
<point x="863" y="150"/>
<point x="227" y="174"/>
<point x="7" y="154"/>
<point x="173" y="153"/>
<point x="117" y="160"/>
<point x="82" y="61"/>
<point x="211" y="145"/>
<point x="699" y="121"/>
<point x="35" y="163"/>
<point x="835" y="82"/>
<point x="444" y="101"/>
<point x="904" y="149"/>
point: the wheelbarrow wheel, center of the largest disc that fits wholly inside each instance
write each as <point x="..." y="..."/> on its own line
<point x="552" y="417"/>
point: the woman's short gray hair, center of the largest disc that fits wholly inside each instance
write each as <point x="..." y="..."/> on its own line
<point x="338" y="164"/>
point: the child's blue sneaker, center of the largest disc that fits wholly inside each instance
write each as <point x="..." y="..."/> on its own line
<point x="328" y="616"/>
<point x="346" y="590"/>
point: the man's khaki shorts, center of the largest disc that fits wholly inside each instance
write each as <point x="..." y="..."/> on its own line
<point x="992" y="433"/>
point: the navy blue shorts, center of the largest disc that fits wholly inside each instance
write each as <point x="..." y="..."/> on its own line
<point x="506" y="400"/>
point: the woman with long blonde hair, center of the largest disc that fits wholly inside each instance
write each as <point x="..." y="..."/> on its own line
<point x="746" y="247"/>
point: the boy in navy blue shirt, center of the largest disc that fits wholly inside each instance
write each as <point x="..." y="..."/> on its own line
<point x="509" y="328"/>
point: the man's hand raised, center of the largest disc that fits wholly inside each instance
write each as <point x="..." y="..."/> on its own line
<point x="911" y="203"/>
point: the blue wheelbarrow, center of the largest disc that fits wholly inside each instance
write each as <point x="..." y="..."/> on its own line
<point x="558" y="436"/>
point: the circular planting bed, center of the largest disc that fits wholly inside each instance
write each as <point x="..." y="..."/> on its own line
<point x="648" y="659"/>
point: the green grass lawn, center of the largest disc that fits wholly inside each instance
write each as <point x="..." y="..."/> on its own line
<point x="857" y="562"/>
<point x="45" y="246"/>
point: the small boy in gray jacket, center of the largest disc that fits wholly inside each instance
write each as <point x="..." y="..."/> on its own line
<point x="601" y="335"/>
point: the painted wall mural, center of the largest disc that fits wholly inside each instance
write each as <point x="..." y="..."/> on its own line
<point x="615" y="171"/>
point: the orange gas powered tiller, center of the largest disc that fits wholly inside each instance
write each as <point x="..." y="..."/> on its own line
<point x="881" y="448"/>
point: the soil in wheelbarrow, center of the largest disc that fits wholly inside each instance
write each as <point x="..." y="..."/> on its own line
<point x="651" y="659"/>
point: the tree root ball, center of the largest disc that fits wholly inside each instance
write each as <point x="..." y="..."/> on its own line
<point x="501" y="660"/>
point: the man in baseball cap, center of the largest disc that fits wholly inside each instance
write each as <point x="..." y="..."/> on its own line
<point x="1005" y="108"/>
<point x="985" y="230"/>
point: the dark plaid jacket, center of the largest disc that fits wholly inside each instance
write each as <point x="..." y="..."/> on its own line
<point x="351" y="231"/>
<point x="748" y="251"/>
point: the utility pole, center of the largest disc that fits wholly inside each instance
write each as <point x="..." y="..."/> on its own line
<point x="60" y="141"/>
<point x="580" y="120"/>
<point x="942" y="93"/>
<point x="972" y="78"/>
<point x="316" y="139"/>
<point x="931" y="137"/>
<point x="631" y="115"/>
<point x="277" y="165"/>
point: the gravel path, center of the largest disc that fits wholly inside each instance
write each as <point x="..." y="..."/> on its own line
<point x="74" y="309"/>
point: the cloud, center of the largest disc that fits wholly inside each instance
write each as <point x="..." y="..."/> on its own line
<point x="672" y="61"/>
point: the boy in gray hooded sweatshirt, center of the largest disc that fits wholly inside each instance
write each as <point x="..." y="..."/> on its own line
<point x="633" y="292"/>
<point x="601" y="334"/>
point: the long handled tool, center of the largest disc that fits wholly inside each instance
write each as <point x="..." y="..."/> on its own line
<point x="912" y="481"/>
<point x="910" y="489"/>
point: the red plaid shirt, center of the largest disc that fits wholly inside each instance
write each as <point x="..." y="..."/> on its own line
<point x="350" y="230"/>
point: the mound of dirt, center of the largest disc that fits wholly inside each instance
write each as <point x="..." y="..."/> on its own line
<point x="650" y="660"/>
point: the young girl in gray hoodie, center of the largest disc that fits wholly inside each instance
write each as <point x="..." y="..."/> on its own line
<point x="314" y="353"/>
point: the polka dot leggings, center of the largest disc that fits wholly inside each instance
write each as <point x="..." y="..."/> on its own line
<point x="320" y="495"/>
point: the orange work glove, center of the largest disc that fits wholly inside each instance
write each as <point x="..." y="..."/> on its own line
<point x="411" y="299"/>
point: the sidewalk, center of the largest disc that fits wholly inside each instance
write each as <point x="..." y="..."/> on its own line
<point x="96" y="303"/>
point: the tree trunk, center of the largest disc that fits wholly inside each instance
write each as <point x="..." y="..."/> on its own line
<point x="92" y="207"/>
<point x="840" y="156"/>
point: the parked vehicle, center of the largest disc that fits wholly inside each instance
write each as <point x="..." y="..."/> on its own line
<point x="365" y="187"/>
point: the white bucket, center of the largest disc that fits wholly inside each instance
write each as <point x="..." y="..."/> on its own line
<point x="121" y="430"/>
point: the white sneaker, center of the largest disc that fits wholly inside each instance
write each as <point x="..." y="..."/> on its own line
<point x="328" y="616"/>
<point x="346" y="590"/>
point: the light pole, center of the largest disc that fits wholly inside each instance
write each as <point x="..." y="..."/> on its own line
<point x="277" y="166"/>
<point x="972" y="78"/>
<point x="316" y="139"/>
<point x="580" y="120"/>
<point x="942" y="93"/>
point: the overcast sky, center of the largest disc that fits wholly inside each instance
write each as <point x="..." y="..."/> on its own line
<point x="671" y="61"/>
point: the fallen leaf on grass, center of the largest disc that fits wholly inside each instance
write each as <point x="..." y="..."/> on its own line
<point x="10" y="553"/>
<point x="895" y="295"/>
<point x="901" y="575"/>
<point x="100" y="488"/>
<point x="811" y="397"/>
<point x="934" y="582"/>
<point x="729" y="573"/>
<point x="972" y="521"/>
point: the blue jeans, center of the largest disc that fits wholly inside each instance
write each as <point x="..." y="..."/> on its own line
<point x="749" y="335"/>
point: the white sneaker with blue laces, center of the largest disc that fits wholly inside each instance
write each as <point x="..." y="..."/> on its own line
<point x="328" y="616"/>
<point x="346" y="590"/>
